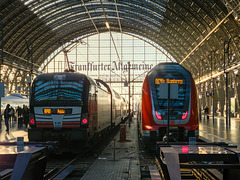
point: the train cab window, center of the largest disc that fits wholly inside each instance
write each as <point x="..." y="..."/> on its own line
<point x="177" y="103"/>
<point x="58" y="90"/>
<point x="171" y="78"/>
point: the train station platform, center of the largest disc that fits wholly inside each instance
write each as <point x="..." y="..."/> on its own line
<point x="14" y="132"/>
<point x="215" y="131"/>
<point x="218" y="131"/>
<point x="124" y="165"/>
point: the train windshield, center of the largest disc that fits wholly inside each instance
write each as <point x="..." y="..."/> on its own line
<point x="58" y="91"/>
<point x="172" y="78"/>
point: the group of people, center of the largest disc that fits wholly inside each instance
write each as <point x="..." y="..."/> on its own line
<point x="22" y="115"/>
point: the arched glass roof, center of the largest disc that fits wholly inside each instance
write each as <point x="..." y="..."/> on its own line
<point x="96" y="56"/>
<point x="187" y="30"/>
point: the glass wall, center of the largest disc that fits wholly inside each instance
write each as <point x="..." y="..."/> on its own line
<point x="102" y="57"/>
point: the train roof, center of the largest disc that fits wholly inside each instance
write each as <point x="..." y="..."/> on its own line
<point x="168" y="66"/>
<point x="60" y="76"/>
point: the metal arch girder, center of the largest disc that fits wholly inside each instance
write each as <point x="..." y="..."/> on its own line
<point x="96" y="14"/>
<point x="56" y="40"/>
<point x="11" y="28"/>
<point x="209" y="45"/>
<point x="179" y="25"/>
<point x="193" y="27"/>
<point x="124" y="1"/>
<point x="21" y="48"/>
<point x="158" y="2"/>
<point x="90" y="7"/>
<point x="138" y="4"/>
<point x="195" y="15"/>
<point x="131" y="10"/>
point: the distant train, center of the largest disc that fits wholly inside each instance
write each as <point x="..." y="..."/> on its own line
<point x="183" y="116"/>
<point x="73" y="108"/>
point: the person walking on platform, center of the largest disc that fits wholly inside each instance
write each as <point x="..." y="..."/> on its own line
<point x="19" y="111"/>
<point x="206" y="112"/>
<point x="25" y="115"/>
<point x="7" y="116"/>
<point x="12" y="114"/>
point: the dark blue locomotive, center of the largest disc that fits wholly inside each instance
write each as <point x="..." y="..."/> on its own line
<point x="72" y="108"/>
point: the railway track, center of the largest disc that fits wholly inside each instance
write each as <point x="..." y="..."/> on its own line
<point x="73" y="166"/>
<point x="69" y="167"/>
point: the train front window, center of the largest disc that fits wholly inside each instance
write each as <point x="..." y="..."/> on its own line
<point x="176" y="103"/>
<point x="58" y="90"/>
<point x="176" y="78"/>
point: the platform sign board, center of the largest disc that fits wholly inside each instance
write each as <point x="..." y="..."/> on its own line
<point x="2" y="89"/>
<point x="164" y="91"/>
<point x="208" y="94"/>
<point x="20" y="141"/>
<point x="192" y="140"/>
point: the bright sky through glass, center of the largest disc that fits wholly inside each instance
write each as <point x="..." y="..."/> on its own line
<point x="97" y="57"/>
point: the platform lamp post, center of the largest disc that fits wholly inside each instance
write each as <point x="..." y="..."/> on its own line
<point x="29" y="79"/>
<point x="2" y="84"/>
<point x="199" y="94"/>
<point x="226" y="51"/>
<point x="129" y="93"/>
<point x="200" y="91"/>
<point x="212" y="84"/>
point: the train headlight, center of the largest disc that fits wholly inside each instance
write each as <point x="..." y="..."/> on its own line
<point x="158" y="115"/>
<point x="184" y="115"/>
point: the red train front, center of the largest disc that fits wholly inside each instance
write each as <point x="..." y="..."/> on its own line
<point x="183" y="112"/>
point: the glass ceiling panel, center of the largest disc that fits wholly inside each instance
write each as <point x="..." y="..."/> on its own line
<point x="96" y="57"/>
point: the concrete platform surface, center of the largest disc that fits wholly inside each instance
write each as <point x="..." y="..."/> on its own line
<point x="125" y="164"/>
<point x="13" y="133"/>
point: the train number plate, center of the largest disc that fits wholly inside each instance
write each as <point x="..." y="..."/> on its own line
<point x="57" y="124"/>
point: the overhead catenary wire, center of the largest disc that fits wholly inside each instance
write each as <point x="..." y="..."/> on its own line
<point x="109" y="29"/>
<point x="119" y="23"/>
<point x="90" y="17"/>
<point x="115" y="47"/>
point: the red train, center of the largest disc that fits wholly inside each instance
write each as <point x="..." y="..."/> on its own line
<point x="73" y="108"/>
<point x="183" y="111"/>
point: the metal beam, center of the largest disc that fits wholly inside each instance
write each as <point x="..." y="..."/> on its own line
<point x="201" y="42"/>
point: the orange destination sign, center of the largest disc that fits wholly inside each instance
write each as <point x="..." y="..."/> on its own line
<point x="169" y="81"/>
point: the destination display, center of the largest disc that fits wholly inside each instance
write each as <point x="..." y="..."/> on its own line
<point x="168" y="81"/>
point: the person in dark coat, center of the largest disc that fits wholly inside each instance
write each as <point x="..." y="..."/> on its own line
<point x="12" y="114"/>
<point x="25" y="115"/>
<point x="19" y="111"/>
<point x="206" y="112"/>
<point x="7" y="116"/>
